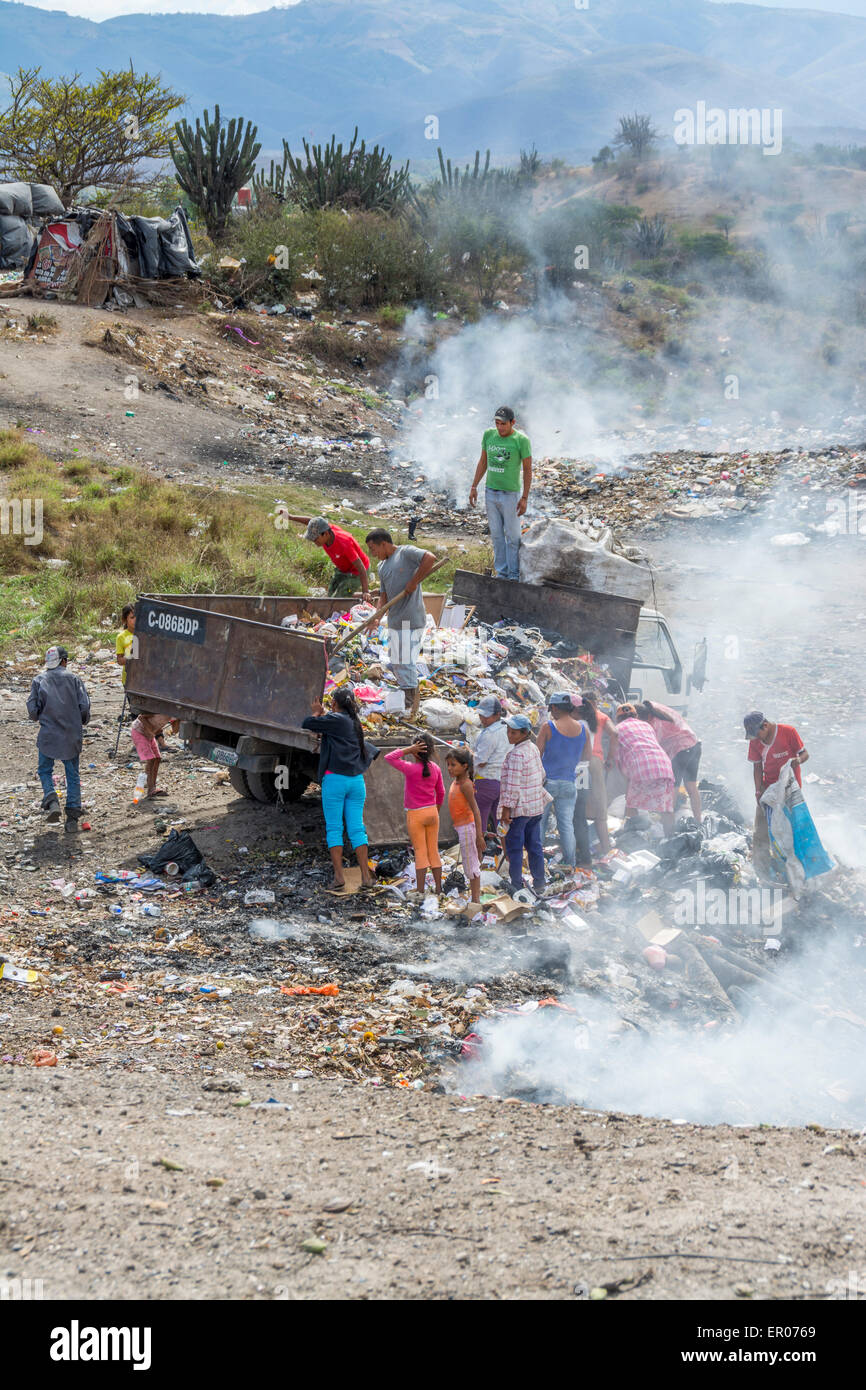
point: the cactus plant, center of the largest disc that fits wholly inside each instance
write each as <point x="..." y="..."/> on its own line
<point x="331" y="176"/>
<point x="213" y="162"/>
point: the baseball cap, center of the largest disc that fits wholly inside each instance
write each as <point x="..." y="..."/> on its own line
<point x="752" y="722"/>
<point x="560" y="699"/>
<point x="54" y="656"/>
<point x="489" y="705"/>
<point x="518" y="721"/>
<point x="504" y="413"/>
<point x="316" y="526"/>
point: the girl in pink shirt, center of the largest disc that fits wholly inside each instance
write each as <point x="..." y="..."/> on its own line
<point x="423" y="795"/>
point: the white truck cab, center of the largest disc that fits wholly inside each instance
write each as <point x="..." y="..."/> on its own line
<point x="657" y="672"/>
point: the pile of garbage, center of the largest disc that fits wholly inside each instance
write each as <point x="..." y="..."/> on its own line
<point x="461" y="661"/>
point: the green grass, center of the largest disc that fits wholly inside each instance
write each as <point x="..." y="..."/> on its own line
<point x="118" y="532"/>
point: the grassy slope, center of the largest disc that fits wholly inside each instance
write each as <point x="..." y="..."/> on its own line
<point x="120" y="531"/>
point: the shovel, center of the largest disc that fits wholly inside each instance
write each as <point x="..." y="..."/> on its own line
<point x="377" y="616"/>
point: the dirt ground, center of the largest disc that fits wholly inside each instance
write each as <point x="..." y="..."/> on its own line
<point x="411" y="1196"/>
<point x="71" y="392"/>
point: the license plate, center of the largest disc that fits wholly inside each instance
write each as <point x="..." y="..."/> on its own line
<point x="227" y="756"/>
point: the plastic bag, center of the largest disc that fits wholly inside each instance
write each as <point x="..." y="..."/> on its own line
<point x="794" y="840"/>
<point x="179" y="847"/>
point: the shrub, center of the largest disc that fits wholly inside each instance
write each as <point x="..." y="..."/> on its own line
<point x="368" y="259"/>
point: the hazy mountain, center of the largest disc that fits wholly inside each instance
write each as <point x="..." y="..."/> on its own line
<point x="504" y="75"/>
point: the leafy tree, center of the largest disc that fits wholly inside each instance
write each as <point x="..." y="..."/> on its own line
<point x="637" y="134"/>
<point x="213" y="162"/>
<point x="604" y="157"/>
<point x="74" y="135"/>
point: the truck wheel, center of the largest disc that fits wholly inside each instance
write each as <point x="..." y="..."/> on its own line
<point x="262" y="785"/>
<point x="298" y="784"/>
<point x="238" y="779"/>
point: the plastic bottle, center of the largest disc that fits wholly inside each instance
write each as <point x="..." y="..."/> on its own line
<point x="140" y="788"/>
<point x="149" y="910"/>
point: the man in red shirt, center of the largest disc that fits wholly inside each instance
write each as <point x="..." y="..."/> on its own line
<point x="350" y="562"/>
<point x="770" y="747"/>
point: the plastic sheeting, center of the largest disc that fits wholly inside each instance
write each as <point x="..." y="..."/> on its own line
<point x="559" y="552"/>
<point x="16" y="242"/>
<point x="164" y="245"/>
<point x="16" y="200"/>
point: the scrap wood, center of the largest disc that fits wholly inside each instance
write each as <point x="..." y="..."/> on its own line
<point x="701" y="973"/>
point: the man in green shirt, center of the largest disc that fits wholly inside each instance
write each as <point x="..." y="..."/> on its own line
<point x="506" y="454"/>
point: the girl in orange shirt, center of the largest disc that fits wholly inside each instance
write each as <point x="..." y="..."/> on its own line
<point x="466" y="817"/>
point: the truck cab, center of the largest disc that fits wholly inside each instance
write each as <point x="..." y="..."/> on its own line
<point x="657" y="669"/>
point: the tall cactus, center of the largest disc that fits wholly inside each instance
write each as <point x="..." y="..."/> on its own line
<point x="213" y="162"/>
<point x="331" y="176"/>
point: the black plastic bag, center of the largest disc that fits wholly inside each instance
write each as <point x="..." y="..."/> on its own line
<point x="179" y="848"/>
<point x="199" y="873"/>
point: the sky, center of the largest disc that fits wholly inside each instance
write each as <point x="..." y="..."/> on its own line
<point x="109" y="9"/>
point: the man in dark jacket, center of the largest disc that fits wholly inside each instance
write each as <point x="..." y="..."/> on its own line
<point x="60" y="703"/>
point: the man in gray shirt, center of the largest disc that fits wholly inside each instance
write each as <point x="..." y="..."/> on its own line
<point x="60" y="703"/>
<point x="402" y="567"/>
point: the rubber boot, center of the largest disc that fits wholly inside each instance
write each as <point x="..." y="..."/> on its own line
<point x="73" y="815"/>
<point x="51" y="805"/>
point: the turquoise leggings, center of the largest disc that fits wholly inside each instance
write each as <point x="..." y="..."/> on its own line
<point x="344" y="796"/>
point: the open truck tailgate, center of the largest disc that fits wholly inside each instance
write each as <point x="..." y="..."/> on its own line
<point x="210" y="667"/>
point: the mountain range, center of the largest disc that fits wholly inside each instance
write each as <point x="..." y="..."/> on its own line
<point x="504" y="76"/>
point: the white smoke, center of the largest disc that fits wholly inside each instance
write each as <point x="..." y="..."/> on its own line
<point x="787" y="1065"/>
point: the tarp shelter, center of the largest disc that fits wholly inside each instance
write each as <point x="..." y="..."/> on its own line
<point x="22" y="206"/>
<point x="92" y="254"/>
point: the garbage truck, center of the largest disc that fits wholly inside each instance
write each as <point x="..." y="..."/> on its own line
<point x="241" y="683"/>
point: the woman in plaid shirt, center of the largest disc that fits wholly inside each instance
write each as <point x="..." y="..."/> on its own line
<point x="646" y="766"/>
<point x="522" y="799"/>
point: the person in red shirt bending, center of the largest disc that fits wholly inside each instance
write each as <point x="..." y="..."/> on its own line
<point x="350" y="562"/>
<point x="770" y="747"/>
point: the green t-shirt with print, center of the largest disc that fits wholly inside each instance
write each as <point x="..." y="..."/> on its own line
<point x="505" y="455"/>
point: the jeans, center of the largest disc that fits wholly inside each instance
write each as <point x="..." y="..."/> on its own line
<point x="564" y="796"/>
<point x="504" y="526"/>
<point x="45" y="769"/>
<point x="525" y="832"/>
<point x="583" y="852"/>
<point x="344" y="796"/>
<point x="404" y="648"/>
<point x="487" y="796"/>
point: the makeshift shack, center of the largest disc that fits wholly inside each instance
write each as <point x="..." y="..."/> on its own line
<point x="89" y="255"/>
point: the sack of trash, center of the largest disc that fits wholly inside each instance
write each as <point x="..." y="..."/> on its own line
<point x="559" y="552"/>
<point x="795" y="844"/>
<point x="177" y="848"/>
<point x="443" y="716"/>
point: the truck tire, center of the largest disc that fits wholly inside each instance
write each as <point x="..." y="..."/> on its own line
<point x="238" y="779"/>
<point x="262" y="785"/>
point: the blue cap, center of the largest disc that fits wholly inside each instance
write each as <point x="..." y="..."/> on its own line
<point x="518" y="721"/>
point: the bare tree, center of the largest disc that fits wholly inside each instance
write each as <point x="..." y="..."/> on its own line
<point x="637" y="134"/>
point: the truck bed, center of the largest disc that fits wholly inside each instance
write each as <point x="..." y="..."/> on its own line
<point x="604" y="624"/>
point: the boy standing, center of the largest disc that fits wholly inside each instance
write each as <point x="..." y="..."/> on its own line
<point x="145" y="731"/>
